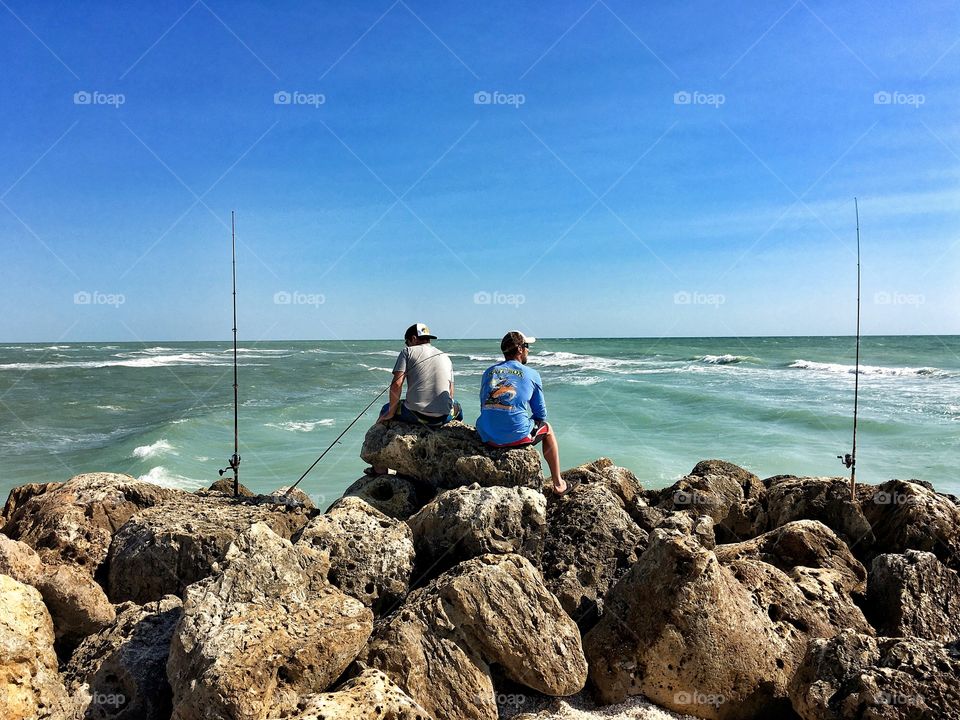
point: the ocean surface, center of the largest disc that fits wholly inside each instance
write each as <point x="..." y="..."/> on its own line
<point x="164" y="412"/>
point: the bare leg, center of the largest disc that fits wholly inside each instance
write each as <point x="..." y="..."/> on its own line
<point x="551" y="453"/>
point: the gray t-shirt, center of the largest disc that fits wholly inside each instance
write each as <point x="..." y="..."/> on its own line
<point x="429" y="374"/>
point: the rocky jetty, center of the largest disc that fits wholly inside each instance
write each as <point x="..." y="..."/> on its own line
<point x="457" y="588"/>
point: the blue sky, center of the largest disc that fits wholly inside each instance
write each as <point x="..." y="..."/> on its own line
<point x="571" y="169"/>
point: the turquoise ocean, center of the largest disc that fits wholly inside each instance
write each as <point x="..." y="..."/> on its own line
<point x="164" y="412"/>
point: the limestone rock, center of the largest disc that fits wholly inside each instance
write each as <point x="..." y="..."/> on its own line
<point x="806" y="543"/>
<point x="19" y="560"/>
<point x="713" y="488"/>
<point x="294" y="497"/>
<point x="852" y="677"/>
<point x="393" y="495"/>
<point x="699" y="527"/>
<point x="75" y="521"/>
<point x="692" y="636"/>
<point x="914" y="594"/>
<point x="591" y="543"/>
<point x="162" y="550"/>
<point x="450" y="456"/>
<point x="224" y="486"/>
<point x="120" y="673"/>
<point x="369" y="696"/>
<point x="371" y="555"/>
<point x="491" y="610"/>
<point x="620" y="481"/>
<point x="910" y="516"/>
<point x="466" y="522"/>
<point x="256" y="636"/>
<point x="20" y="495"/>
<point x="824" y="499"/>
<point x="30" y="686"/>
<point x="77" y="604"/>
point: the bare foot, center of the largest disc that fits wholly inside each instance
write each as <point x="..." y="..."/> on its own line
<point x="559" y="485"/>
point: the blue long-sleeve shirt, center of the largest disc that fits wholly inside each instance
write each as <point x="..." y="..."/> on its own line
<point x="511" y="398"/>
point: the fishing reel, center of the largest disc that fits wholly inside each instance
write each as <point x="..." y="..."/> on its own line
<point x="847" y="460"/>
<point x="233" y="464"/>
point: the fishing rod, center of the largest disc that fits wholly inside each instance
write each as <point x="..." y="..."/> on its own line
<point x="850" y="459"/>
<point x="354" y="422"/>
<point x="234" y="461"/>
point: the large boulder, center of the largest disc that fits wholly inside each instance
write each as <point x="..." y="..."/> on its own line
<point x="20" y="495"/>
<point x="77" y="604"/>
<point x="854" y="677"/>
<point x="393" y="495"/>
<point x="714" y="488"/>
<point x="120" y="673"/>
<point x="75" y="521"/>
<point x="591" y="543"/>
<point x="911" y="516"/>
<point x="371" y="555"/>
<point x="30" y="686"/>
<point x="260" y="634"/>
<point x="914" y="594"/>
<point x="162" y="550"/>
<point x="619" y="480"/>
<point x="450" y="456"/>
<point x="801" y="543"/>
<point x="466" y="522"/>
<point x="371" y="695"/>
<point x="825" y="499"/>
<point x="716" y="641"/>
<point x="491" y="610"/>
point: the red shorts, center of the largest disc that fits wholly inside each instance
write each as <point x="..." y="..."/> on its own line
<point x="540" y="430"/>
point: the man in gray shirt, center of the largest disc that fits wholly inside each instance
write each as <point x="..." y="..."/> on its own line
<point x="429" y="376"/>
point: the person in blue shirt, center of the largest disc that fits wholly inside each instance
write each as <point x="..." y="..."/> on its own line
<point x="512" y="408"/>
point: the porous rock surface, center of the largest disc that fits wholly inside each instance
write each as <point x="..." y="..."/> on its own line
<point x="450" y="456"/>
<point x="466" y="522"/>
<point x="75" y="521"/>
<point x="30" y="685"/>
<point x="914" y="595"/>
<point x="591" y="543"/>
<point x="162" y="550"/>
<point x="370" y="555"/>
<point x="393" y="495"/>
<point x="120" y="672"/>
<point x="853" y="677"/>
<point x="369" y="696"/>
<point x="258" y="635"/>
<point x="493" y="609"/>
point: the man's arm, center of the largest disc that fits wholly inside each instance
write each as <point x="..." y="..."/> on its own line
<point x="538" y="405"/>
<point x="396" y="389"/>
